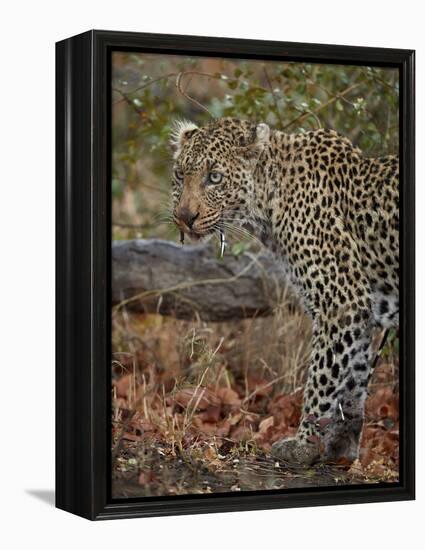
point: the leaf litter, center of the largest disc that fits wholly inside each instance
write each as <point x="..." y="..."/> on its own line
<point x="211" y="436"/>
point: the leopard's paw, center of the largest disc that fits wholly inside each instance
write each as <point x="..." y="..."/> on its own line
<point x="296" y="451"/>
<point x="342" y="440"/>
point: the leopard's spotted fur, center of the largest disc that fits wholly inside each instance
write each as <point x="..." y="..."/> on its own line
<point x="331" y="215"/>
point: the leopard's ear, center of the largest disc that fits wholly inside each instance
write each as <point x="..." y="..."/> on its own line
<point x="262" y="134"/>
<point x="182" y="130"/>
<point x="261" y="137"/>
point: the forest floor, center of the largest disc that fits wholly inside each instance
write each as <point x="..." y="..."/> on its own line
<point x="212" y="433"/>
<point x="153" y="469"/>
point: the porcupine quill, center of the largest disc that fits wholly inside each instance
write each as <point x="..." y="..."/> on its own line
<point x="222" y="244"/>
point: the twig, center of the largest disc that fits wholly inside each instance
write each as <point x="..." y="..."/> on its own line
<point x="128" y="101"/>
<point x="313" y="115"/>
<point x="141" y="185"/>
<point x="182" y="286"/>
<point x="186" y="95"/>
<point x="179" y="78"/>
<point x="130" y="225"/>
<point x="383" y="82"/>
<point x="323" y="106"/>
<point x="126" y="94"/>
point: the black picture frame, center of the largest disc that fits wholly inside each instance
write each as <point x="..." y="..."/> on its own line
<point x="83" y="274"/>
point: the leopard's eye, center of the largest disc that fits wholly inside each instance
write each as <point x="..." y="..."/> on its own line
<point x="178" y="174"/>
<point x="215" y="177"/>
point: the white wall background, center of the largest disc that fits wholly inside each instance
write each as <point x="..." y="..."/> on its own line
<point x="28" y="33"/>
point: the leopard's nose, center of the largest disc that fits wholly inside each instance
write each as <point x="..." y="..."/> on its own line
<point x="186" y="216"/>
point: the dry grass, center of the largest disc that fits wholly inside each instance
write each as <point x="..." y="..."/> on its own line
<point x="196" y="406"/>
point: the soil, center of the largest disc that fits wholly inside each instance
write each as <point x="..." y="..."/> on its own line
<point x="146" y="469"/>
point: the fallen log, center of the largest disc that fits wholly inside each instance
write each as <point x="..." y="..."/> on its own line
<point x="190" y="282"/>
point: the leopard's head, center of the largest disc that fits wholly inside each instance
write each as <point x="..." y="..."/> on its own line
<point x="213" y="174"/>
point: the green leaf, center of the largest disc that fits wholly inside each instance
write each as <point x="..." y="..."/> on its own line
<point x="239" y="248"/>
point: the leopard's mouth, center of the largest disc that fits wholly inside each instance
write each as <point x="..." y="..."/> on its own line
<point x="193" y="234"/>
<point x="200" y="235"/>
<point x="196" y="233"/>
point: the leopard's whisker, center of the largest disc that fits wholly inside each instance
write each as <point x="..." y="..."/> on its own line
<point x="240" y="232"/>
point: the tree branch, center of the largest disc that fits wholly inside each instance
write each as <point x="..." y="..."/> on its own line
<point x="190" y="282"/>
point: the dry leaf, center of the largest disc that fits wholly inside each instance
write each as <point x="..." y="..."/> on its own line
<point x="199" y="397"/>
<point x="229" y="397"/>
<point x="266" y="424"/>
<point x="122" y="385"/>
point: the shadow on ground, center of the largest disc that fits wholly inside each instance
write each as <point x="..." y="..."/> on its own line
<point x="45" y="495"/>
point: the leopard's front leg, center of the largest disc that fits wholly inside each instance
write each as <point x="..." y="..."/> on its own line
<point x="335" y="391"/>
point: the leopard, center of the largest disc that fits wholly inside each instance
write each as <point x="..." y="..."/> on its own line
<point x="330" y="216"/>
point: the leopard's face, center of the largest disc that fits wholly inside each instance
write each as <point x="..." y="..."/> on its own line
<point x="213" y="173"/>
